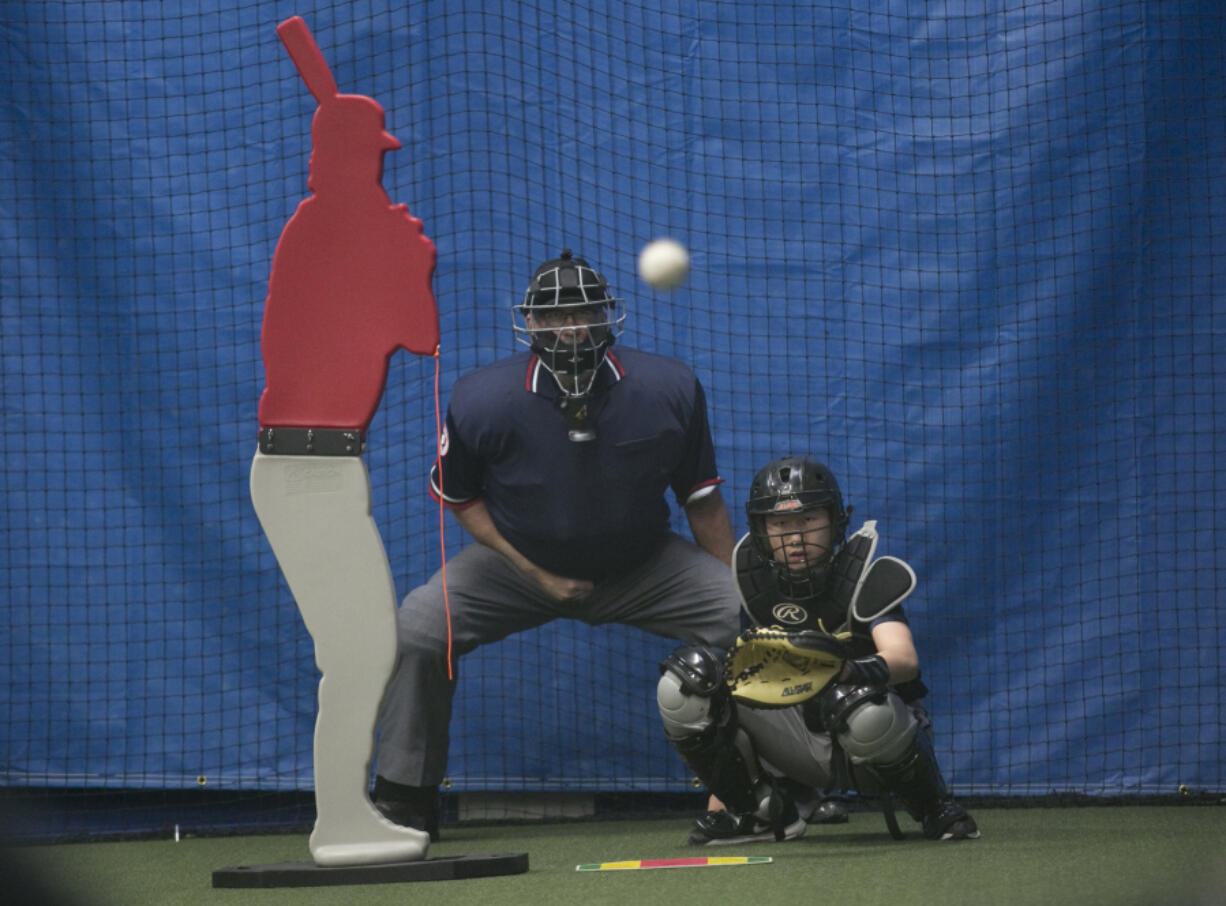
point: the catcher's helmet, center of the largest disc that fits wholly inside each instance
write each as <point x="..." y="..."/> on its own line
<point x="563" y="287"/>
<point x="795" y="484"/>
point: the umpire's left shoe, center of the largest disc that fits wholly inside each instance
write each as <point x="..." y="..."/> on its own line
<point x="824" y="811"/>
<point x="950" y="821"/>
<point x="814" y="806"/>
<point x="408" y="806"/>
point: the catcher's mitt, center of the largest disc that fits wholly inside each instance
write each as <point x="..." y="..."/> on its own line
<point x="775" y="668"/>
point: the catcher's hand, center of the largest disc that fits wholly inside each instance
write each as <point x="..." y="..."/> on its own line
<point x="774" y="668"/>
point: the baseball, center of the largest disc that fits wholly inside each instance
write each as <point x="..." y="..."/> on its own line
<point x="664" y="263"/>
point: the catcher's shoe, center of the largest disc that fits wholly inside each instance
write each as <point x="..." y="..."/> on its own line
<point x="725" y="828"/>
<point x="950" y="821"/>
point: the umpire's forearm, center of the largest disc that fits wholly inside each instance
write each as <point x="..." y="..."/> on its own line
<point x="711" y="526"/>
<point x="475" y="519"/>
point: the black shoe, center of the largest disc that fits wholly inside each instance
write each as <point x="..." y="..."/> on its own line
<point x="950" y="821"/>
<point x="824" y="811"/>
<point x="408" y="806"/>
<point x="725" y="828"/>
<point x="783" y="822"/>
<point x="813" y="806"/>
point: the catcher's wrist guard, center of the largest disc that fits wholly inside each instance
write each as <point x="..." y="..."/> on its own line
<point x="774" y="668"/>
<point x="867" y="671"/>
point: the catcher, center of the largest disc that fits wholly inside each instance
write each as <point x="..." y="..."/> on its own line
<point x="822" y="692"/>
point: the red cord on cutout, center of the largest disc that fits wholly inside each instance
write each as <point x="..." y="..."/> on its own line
<point x="442" y="542"/>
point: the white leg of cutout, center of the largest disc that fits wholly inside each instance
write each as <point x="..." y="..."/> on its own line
<point x="316" y="514"/>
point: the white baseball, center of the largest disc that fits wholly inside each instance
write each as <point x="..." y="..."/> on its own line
<point x="664" y="263"/>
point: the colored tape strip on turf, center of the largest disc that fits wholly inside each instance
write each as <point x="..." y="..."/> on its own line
<point x="697" y="862"/>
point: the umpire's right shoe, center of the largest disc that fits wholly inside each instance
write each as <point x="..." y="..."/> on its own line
<point x="408" y="806"/>
<point x="725" y="828"/>
<point x="824" y="811"/>
<point x="950" y="821"/>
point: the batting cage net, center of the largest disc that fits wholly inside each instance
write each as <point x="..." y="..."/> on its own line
<point x="970" y="255"/>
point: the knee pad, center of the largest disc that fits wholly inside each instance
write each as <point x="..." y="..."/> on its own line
<point x="689" y="691"/>
<point x="683" y="713"/>
<point x="875" y="728"/>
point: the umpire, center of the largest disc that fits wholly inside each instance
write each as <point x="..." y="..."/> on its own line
<point x="557" y="462"/>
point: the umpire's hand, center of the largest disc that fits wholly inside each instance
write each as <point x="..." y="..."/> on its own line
<point x="560" y="588"/>
<point x="475" y="519"/>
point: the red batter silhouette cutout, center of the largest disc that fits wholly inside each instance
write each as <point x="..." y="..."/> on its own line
<point x="350" y="285"/>
<point x="351" y="274"/>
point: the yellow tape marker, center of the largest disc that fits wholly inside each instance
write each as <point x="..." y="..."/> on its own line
<point x="695" y="862"/>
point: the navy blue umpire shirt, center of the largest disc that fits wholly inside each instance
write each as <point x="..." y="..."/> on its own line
<point x="585" y="510"/>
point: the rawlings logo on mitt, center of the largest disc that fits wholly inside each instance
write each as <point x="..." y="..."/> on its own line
<point x="774" y="668"/>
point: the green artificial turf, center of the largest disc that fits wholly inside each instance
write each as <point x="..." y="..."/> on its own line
<point x="1081" y="856"/>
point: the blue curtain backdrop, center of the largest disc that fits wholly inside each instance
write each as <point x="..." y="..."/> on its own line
<point x="971" y="254"/>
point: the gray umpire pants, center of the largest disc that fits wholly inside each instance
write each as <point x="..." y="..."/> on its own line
<point x="681" y="593"/>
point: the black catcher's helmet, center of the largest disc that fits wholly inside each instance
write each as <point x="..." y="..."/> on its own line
<point x="569" y="318"/>
<point x="796" y="484"/>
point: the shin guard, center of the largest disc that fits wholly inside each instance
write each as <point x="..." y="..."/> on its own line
<point x="722" y="757"/>
<point x="915" y="778"/>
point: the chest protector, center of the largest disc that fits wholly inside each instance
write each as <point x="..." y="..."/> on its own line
<point x="856" y="587"/>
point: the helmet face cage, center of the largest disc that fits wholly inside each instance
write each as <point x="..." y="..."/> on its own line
<point x="789" y="486"/>
<point x="569" y="319"/>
